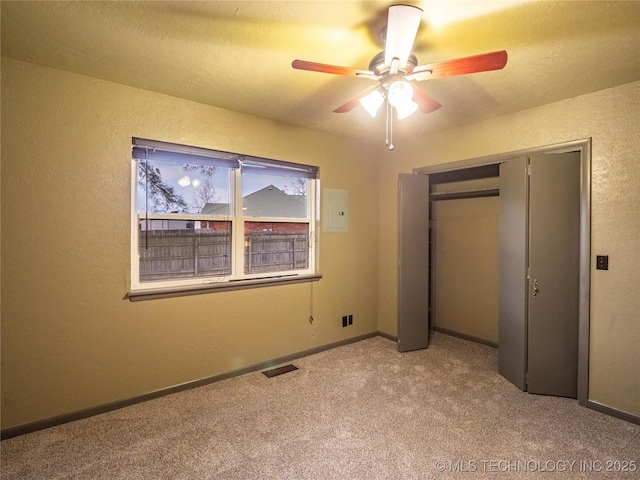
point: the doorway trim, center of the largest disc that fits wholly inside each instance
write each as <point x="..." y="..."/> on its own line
<point x="583" y="146"/>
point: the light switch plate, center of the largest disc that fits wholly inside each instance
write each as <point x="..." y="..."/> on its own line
<point x="602" y="262"/>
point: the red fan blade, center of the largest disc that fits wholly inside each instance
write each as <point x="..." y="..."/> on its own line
<point x="460" y="66"/>
<point x="353" y="103"/>
<point x="324" y="68"/>
<point x="426" y="104"/>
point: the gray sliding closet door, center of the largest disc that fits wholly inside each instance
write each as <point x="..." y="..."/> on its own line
<point x="554" y="276"/>
<point x="539" y="273"/>
<point x="512" y="314"/>
<point x="413" y="262"/>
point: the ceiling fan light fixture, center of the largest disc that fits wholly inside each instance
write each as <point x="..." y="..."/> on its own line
<point x="396" y="67"/>
<point x="372" y="102"/>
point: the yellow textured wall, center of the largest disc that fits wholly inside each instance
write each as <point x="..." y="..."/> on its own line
<point x="611" y="118"/>
<point x="69" y="339"/>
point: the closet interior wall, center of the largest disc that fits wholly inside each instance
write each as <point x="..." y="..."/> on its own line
<point x="465" y="251"/>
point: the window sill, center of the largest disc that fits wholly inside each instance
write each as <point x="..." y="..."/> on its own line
<point x="157" y="293"/>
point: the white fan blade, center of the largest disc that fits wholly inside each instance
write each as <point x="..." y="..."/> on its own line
<point x="402" y="27"/>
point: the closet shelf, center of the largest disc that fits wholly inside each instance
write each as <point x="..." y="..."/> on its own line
<point x="481" y="192"/>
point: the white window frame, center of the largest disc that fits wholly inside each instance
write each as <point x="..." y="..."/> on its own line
<point x="237" y="229"/>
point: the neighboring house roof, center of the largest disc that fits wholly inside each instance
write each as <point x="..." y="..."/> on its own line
<point x="267" y="202"/>
<point x="273" y="202"/>
<point x="215" y="209"/>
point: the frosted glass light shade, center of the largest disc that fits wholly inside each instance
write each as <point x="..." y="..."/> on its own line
<point x="372" y="102"/>
<point x="400" y="92"/>
<point x="405" y="109"/>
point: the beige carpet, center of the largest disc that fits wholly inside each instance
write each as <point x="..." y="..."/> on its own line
<point x="362" y="411"/>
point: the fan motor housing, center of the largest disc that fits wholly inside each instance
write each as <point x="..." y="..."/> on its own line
<point x="378" y="66"/>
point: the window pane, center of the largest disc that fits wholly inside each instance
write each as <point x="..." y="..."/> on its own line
<point x="173" y="187"/>
<point x="172" y="249"/>
<point x="274" y="196"/>
<point x="275" y="247"/>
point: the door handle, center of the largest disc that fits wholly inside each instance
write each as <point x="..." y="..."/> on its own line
<point x="535" y="288"/>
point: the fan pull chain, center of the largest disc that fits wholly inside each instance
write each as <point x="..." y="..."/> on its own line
<point x="389" y="126"/>
<point x="386" y="126"/>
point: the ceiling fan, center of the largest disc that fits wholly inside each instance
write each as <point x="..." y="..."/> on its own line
<point x="396" y="68"/>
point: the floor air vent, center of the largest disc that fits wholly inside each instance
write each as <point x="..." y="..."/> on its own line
<point x="279" y="371"/>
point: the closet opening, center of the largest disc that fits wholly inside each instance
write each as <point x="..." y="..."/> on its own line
<point x="456" y="191"/>
<point x="464" y="253"/>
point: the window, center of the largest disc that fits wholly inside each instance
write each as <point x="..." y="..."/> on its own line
<point x="201" y="216"/>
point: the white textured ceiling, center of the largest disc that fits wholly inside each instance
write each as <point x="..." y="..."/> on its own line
<point x="237" y="54"/>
